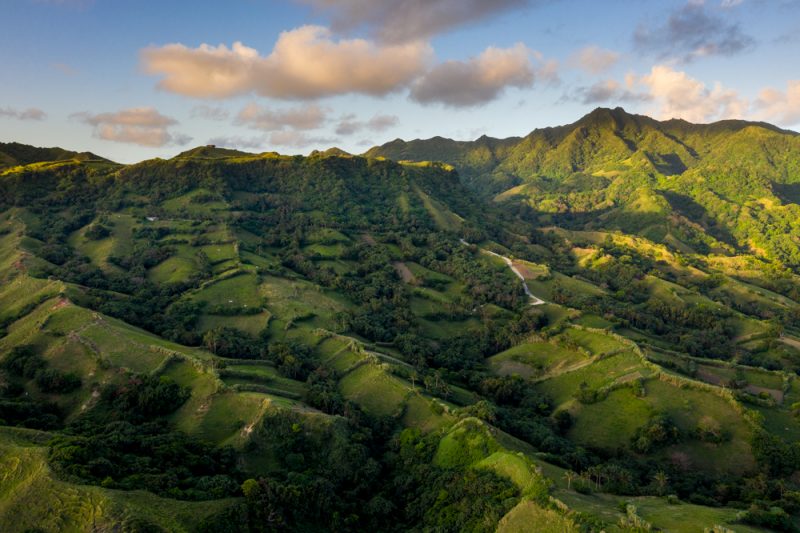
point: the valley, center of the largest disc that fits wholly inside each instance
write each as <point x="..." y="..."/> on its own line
<point x="592" y="328"/>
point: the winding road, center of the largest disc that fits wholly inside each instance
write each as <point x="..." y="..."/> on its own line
<point x="535" y="300"/>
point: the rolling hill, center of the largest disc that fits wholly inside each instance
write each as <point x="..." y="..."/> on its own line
<point x="226" y="341"/>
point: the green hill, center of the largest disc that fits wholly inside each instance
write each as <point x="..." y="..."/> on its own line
<point x="16" y="154"/>
<point x="594" y="328"/>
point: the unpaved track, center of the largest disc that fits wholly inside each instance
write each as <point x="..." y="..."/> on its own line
<point x="535" y="300"/>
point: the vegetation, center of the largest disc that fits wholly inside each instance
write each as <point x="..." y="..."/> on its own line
<point x="336" y="342"/>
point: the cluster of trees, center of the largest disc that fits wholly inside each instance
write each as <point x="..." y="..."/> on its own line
<point x="24" y="362"/>
<point x="123" y="442"/>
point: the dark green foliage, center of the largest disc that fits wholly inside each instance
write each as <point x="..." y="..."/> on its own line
<point x="438" y="499"/>
<point x="54" y="381"/>
<point x="659" y="431"/>
<point x="773" y="518"/>
<point x="120" y="443"/>
<point x="145" y="456"/>
<point x="96" y="232"/>
<point x="23" y="361"/>
<point x="293" y="360"/>
<point x="230" y="342"/>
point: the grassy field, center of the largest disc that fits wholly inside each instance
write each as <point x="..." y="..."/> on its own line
<point x="611" y="423"/>
<point x="526" y="516"/>
<point x="119" y="243"/>
<point x="534" y="359"/>
<point x="375" y="391"/>
<point x="32" y="499"/>
<point x="599" y="374"/>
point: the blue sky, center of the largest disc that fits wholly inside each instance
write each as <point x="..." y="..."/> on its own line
<point x="137" y="79"/>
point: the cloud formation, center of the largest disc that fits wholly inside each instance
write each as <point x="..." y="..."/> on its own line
<point x="692" y="32"/>
<point x="781" y="107"/>
<point x="593" y="59"/>
<point x="247" y="143"/>
<point x="478" y="80"/>
<point x="139" y="125"/>
<point x="307" y="117"/>
<point x="610" y="91"/>
<point x="680" y="96"/>
<point x="306" y="63"/>
<point x="297" y="139"/>
<point x="31" y="113"/>
<point x="349" y="124"/>
<point x="209" y="112"/>
<point x="398" y="21"/>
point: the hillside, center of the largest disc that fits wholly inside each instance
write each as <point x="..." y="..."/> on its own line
<point x="691" y="186"/>
<point x="225" y="341"/>
<point x="16" y="154"/>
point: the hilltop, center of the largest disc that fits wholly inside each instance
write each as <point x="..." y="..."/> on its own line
<point x="16" y="154"/>
<point x="595" y="327"/>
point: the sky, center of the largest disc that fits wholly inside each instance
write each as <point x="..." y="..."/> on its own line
<point x="137" y="79"/>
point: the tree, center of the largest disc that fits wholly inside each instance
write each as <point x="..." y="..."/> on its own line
<point x="570" y="476"/>
<point x="661" y="480"/>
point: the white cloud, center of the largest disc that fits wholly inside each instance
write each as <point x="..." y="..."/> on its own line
<point x="349" y="124"/>
<point x="727" y="4"/>
<point x="31" y="113"/>
<point x="297" y="139"/>
<point x="307" y="117"/>
<point x="478" y="80"/>
<point x="251" y="143"/>
<point x="306" y="63"/>
<point x="594" y="59"/>
<point x="410" y="20"/>
<point x="680" y="96"/>
<point x="610" y="90"/>
<point x="209" y="112"/>
<point x="139" y="125"/>
<point x="778" y="106"/>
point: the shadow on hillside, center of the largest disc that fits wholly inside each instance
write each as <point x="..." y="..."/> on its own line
<point x="695" y="212"/>
<point x="634" y="223"/>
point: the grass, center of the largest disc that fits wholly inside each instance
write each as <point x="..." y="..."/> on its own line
<point x="337" y="354"/>
<point x="20" y="293"/>
<point x="532" y="359"/>
<point x="218" y="253"/>
<point x="235" y="291"/>
<point x="599" y="374"/>
<point x="328" y="251"/>
<point x="421" y="414"/>
<point x="378" y="393"/>
<point x="686" y="407"/>
<point x="186" y="203"/>
<point x="596" y="343"/>
<point x="252" y="324"/>
<point x="119" y="350"/>
<point x="543" y="288"/>
<point x="686" y="518"/>
<point x="293" y="300"/>
<point x="527" y="515"/>
<point x="173" y="269"/>
<point x="31" y="498"/>
<point x="262" y="374"/>
<point x="611" y="423"/>
<point x="590" y="320"/>
<point x="119" y="243"/>
<point x="227" y="415"/>
<point x="444" y="219"/>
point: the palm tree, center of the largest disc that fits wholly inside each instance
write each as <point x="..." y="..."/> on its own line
<point x="570" y="476"/>
<point x="661" y="480"/>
